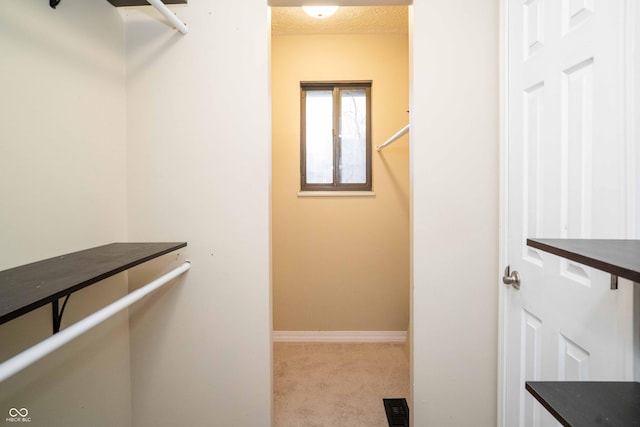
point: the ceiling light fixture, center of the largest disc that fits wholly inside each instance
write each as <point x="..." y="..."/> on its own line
<point x="320" y="12"/>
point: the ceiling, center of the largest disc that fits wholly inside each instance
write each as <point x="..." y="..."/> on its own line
<point x="347" y="20"/>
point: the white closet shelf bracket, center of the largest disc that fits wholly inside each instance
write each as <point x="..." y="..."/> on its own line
<point x="166" y="12"/>
<point x="393" y="138"/>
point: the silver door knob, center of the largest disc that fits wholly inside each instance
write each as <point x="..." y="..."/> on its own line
<point x="511" y="278"/>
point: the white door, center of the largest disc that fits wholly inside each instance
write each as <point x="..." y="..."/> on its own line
<point x="566" y="179"/>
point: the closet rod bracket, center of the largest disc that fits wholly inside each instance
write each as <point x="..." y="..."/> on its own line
<point x="57" y="313"/>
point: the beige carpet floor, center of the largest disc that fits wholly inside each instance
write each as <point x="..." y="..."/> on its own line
<point x="336" y="385"/>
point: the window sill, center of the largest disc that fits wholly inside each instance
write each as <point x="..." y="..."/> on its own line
<point x="336" y="194"/>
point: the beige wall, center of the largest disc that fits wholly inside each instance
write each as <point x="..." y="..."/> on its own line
<point x="454" y="165"/>
<point x="198" y="148"/>
<point x="63" y="174"/>
<point x="341" y="263"/>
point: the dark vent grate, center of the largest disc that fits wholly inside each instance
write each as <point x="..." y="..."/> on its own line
<point x="397" y="412"/>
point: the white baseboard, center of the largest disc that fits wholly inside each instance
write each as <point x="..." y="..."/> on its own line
<point x="339" y="336"/>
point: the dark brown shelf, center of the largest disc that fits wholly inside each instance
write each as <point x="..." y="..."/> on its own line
<point x="587" y="404"/>
<point x="593" y="403"/>
<point x="617" y="257"/>
<point x="25" y="288"/>
<point x="123" y="3"/>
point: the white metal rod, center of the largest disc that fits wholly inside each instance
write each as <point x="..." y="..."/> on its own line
<point x="393" y="138"/>
<point x="175" y="21"/>
<point x="54" y="342"/>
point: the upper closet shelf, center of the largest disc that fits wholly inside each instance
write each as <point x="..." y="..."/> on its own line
<point x="620" y="258"/>
<point x="123" y="3"/>
<point x="160" y="5"/>
<point x="25" y="288"/>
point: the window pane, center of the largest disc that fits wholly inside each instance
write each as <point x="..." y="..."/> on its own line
<point x="319" y="136"/>
<point x="353" y="136"/>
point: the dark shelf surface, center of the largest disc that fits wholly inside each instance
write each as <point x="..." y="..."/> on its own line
<point x="25" y="288"/>
<point x="122" y="3"/>
<point x="618" y="257"/>
<point x="589" y="403"/>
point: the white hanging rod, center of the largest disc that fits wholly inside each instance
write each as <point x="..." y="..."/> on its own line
<point x="175" y="21"/>
<point x="54" y="342"/>
<point x="393" y="138"/>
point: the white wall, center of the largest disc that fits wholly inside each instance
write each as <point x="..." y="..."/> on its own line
<point x="635" y="134"/>
<point x="454" y="167"/>
<point x="198" y="146"/>
<point x="198" y="170"/>
<point x="62" y="168"/>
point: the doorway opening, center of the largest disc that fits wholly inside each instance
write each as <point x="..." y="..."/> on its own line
<point x="340" y="259"/>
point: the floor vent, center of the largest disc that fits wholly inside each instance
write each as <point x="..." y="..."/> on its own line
<point x="397" y="412"/>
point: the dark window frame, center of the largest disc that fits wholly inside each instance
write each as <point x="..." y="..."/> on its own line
<point x="337" y="87"/>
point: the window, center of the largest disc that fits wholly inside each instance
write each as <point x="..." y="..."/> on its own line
<point x="335" y="128"/>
